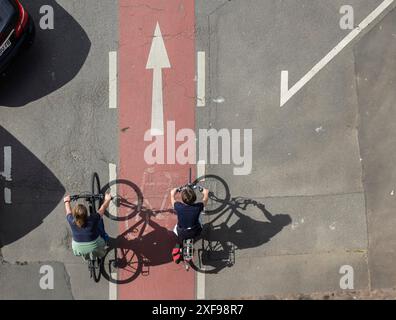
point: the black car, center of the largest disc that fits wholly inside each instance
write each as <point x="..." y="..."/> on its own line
<point x="16" y="30"/>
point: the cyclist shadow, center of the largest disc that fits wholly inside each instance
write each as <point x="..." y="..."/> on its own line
<point x="235" y="225"/>
<point x="142" y="245"/>
<point x="247" y="232"/>
<point x="153" y="242"/>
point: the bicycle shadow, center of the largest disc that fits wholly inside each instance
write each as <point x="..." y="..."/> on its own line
<point x="143" y="244"/>
<point x="233" y="228"/>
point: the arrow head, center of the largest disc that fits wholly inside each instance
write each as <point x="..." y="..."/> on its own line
<point x="158" y="57"/>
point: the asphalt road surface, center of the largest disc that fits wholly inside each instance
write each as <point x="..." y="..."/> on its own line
<point x="321" y="189"/>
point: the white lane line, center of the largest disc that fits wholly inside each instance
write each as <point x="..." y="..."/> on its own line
<point x="113" y="212"/>
<point x="113" y="188"/>
<point x="200" y="286"/>
<point x="113" y="287"/>
<point x="7" y="196"/>
<point x="113" y="79"/>
<point x="7" y="173"/>
<point x="287" y="93"/>
<point x="201" y="79"/>
<point x="201" y="168"/>
<point x="201" y="171"/>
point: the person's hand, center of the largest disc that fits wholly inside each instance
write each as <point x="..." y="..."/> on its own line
<point x="107" y="197"/>
<point x="174" y="191"/>
<point x="66" y="199"/>
<point x="205" y="192"/>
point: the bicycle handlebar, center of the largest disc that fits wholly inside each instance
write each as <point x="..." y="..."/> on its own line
<point x="190" y="185"/>
<point x="88" y="197"/>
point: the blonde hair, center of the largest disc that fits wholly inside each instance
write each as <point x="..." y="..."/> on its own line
<point x="80" y="215"/>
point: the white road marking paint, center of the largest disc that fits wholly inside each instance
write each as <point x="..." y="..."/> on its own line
<point x="7" y="173"/>
<point x="7" y="196"/>
<point x="392" y="193"/>
<point x="113" y="79"/>
<point x="113" y="212"/>
<point x="113" y="287"/>
<point x="113" y="188"/>
<point x="287" y="93"/>
<point x="200" y="285"/>
<point x="219" y="100"/>
<point x="201" y="171"/>
<point x="201" y="168"/>
<point x="157" y="60"/>
<point x="201" y="83"/>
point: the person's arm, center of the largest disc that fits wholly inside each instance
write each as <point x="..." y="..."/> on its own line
<point x="173" y="194"/>
<point x="68" y="209"/>
<point x="105" y="204"/>
<point x="205" y="198"/>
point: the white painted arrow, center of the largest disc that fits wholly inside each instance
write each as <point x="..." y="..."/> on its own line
<point x="287" y="93"/>
<point x="157" y="60"/>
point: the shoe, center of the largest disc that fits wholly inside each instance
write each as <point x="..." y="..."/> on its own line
<point x="106" y="238"/>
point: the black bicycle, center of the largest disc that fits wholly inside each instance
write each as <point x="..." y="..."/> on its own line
<point x="95" y="200"/>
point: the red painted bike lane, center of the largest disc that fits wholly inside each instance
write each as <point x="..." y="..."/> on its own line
<point x="139" y="20"/>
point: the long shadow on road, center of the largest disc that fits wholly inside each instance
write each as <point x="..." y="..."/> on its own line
<point x="146" y="243"/>
<point x="54" y="59"/>
<point x="34" y="190"/>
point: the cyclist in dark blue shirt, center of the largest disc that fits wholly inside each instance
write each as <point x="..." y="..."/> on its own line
<point x="87" y="229"/>
<point x="188" y="213"/>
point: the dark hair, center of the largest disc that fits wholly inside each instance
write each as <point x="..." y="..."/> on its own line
<point x="188" y="196"/>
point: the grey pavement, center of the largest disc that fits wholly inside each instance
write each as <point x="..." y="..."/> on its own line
<point x="61" y="117"/>
<point x="324" y="160"/>
<point x="322" y="188"/>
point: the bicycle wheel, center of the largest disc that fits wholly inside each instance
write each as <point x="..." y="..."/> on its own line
<point x="219" y="193"/>
<point x="96" y="204"/>
<point x="96" y="269"/>
<point x="127" y="200"/>
<point x="121" y="265"/>
<point x="210" y="257"/>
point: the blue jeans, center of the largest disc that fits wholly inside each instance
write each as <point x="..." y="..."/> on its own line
<point x="101" y="229"/>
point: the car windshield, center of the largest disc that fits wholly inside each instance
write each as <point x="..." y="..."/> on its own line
<point x="7" y="10"/>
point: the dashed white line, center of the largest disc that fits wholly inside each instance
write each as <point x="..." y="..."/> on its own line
<point x="113" y="212"/>
<point x="113" y="188"/>
<point x="7" y="173"/>
<point x="287" y="93"/>
<point x="113" y="287"/>
<point x="201" y="79"/>
<point x="113" y="78"/>
<point x="7" y="196"/>
<point x="201" y="168"/>
<point x="200" y="286"/>
<point x="201" y="171"/>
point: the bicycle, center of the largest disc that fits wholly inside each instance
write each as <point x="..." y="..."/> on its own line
<point x="188" y="244"/>
<point x="95" y="200"/>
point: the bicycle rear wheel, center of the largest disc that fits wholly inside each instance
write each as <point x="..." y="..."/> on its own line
<point x="94" y="269"/>
<point x="96" y="204"/>
<point x="121" y="265"/>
